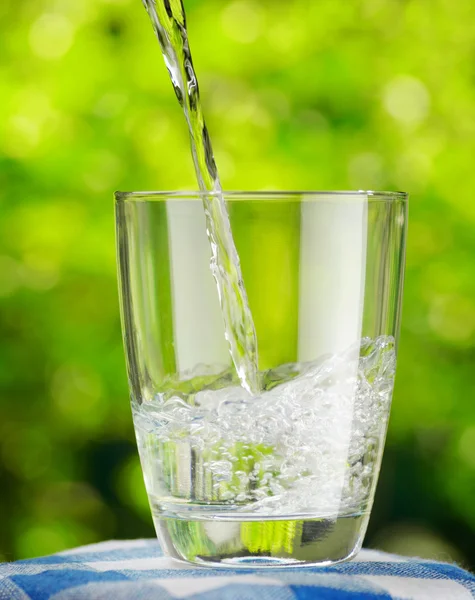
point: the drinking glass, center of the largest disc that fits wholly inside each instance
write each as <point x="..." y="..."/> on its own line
<point x="287" y="476"/>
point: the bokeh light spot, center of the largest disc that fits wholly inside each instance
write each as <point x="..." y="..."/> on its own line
<point x="110" y="105"/>
<point x="70" y="498"/>
<point x="466" y="446"/>
<point x="407" y="100"/>
<point x="26" y="451"/>
<point x="22" y="136"/>
<point x="51" y="36"/>
<point x="41" y="273"/>
<point x="77" y="395"/>
<point x="242" y="21"/>
<point x="413" y="169"/>
<point x="33" y="120"/>
<point x="38" y="539"/>
<point x="283" y="36"/>
<point x="131" y="488"/>
<point x="10" y="276"/>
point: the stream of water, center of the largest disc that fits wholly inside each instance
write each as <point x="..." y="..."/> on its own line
<point x="169" y="22"/>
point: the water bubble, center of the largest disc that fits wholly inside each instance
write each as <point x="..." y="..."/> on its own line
<point x="311" y="442"/>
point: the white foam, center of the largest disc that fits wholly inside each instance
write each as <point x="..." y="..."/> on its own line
<point x="288" y="450"/>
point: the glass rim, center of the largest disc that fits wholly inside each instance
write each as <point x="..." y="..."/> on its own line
<point x="371" y="195"/>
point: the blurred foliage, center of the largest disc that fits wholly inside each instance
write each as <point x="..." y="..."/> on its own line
<point x="368" y="94"/>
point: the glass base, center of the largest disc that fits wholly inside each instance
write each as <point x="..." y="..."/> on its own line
<point x="261" y="542"/>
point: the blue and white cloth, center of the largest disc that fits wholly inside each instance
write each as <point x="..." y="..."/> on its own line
<point x="137" y="570"/>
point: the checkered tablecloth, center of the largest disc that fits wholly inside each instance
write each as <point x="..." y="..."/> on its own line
<point x="137" y="570"/>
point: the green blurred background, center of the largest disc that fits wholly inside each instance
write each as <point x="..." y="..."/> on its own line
<point x="322" y="94"/>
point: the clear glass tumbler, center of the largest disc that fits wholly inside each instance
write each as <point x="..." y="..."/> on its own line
<point x="286" y="477"/>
